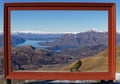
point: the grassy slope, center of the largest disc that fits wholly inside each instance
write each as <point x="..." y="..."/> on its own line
<point x="98" y="62"/>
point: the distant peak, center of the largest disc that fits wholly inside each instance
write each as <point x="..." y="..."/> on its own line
<point x="41" y="32"/>
<point x="96" y="30"/>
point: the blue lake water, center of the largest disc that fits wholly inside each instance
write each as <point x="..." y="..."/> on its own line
<point x="34" y="43"/>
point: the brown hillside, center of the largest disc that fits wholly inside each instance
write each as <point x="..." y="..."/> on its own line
<point x="97" y="63"/>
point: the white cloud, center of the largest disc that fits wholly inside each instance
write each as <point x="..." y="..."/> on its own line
<point x="41" y="32"/>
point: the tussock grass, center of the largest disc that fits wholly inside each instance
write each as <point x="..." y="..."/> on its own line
<point x="96" y="63"/>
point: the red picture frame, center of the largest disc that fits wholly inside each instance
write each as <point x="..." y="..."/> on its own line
<point x="110" y="75"/>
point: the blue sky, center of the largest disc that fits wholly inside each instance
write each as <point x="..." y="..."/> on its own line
<point x="59" y="21"/>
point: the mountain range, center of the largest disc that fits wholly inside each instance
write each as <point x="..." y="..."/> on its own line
<point x="14" y="40"/>
<point x="63" y="40"/>
<point x="71" y="47"/>
<point x="37" y="36"/>
<point x="89" y="38"/>
<point x="18" y="38"/>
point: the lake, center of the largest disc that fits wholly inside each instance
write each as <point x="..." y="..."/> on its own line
<point x="35" y="44"/>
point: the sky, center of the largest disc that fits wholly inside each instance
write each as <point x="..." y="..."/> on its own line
<point x="59" y="21"/>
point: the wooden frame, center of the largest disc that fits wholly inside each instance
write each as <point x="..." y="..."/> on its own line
<point x="110" y="75"/>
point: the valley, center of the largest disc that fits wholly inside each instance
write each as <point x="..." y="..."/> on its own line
<point x="60" y="52"/>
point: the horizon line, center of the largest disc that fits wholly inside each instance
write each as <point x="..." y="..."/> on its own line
<point x="42" y="32"/>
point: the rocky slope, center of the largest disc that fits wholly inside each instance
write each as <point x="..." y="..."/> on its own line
<point x="89" y="38"/>
<point x="31" y="58"/>
<point x="84" y="51"/>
